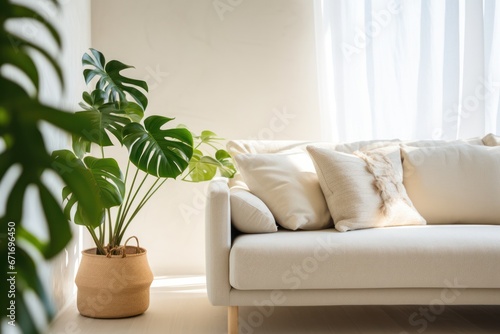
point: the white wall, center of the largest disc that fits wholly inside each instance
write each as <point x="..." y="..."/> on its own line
<point x="234" y="69"/>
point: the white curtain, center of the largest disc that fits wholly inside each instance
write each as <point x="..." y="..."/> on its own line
<point x="410" y="69"/>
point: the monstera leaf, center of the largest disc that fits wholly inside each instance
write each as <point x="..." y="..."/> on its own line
<point x="204" y="167"/>
<point x="156" y="151"/>
<point x="227" y="168"/>
<point x="111" y="81"/>
<point x="14" y="49"/>
<point x="27" y="279"/>
<point x="102" y="175"/>
<point x="92" y="101"/>
<point x="109" y="117"/>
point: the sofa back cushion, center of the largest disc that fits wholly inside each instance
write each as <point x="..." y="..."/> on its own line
<point x="236" y="147"/>
<point x="454" y="184"/>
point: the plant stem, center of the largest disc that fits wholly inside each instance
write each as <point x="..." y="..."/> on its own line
<point x="121" y="212"/>
<point x="206" y="142"/>
<point x="128" y="206"/>
<point x="102" y="231"/>
<point x="110" y="233"/>
<point x="184" y="177"/>
<point x="120" y="209"/>
<point x="99" y="228"/>
<point x="126" y="172"/>
<point x="149" y="193"/>
<point x="143" y="202"/>
<point x="100" y="248"/>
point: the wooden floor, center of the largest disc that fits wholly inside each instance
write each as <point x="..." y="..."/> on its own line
<point x="180" y="305"/>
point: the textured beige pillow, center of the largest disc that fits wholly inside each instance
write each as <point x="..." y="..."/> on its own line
<point x="249" y="214"/>
<point x="364" y="190"/>
<point x="491" y="140"/>
<point x="454" y="184"/>
<point x="288" y="184"/>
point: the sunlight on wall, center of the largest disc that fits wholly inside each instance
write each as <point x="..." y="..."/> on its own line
<point x="180" y="284"/>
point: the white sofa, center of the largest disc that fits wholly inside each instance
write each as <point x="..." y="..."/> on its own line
<point x="431" y="264"/>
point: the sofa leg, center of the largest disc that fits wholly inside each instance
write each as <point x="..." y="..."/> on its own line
<point x="232" y="320"/>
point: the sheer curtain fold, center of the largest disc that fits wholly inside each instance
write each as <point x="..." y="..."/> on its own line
<point x="416" y="69"/>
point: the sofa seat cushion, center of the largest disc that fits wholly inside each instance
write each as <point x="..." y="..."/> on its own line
<point x="431" y="256"/>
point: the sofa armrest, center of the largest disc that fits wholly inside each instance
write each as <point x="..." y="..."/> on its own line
<point x="218" y="241"/>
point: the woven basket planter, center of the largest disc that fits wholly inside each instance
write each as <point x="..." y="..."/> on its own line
<point x="115" y="286"/>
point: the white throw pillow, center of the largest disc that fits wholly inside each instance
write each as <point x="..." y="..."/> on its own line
<point x="288" y="184"/>
<point x="454" y="184"/>
<point x="364" y="190"/>
<point x="249" y="214"/>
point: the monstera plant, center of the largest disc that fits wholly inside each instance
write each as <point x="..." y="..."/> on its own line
<point x="115" y="107"/>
